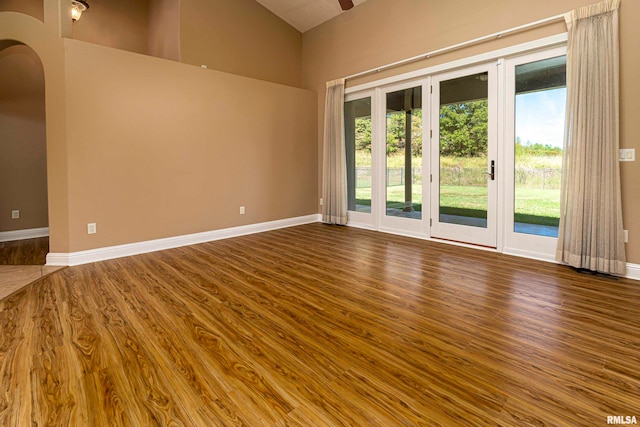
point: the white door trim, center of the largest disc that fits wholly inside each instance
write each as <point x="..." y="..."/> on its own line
<point x="482" y="236"/>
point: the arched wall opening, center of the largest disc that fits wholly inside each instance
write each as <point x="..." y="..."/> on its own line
<point x="23" y="156"/>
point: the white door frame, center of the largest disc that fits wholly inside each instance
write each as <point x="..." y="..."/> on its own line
<point x="529" y="245"/>
<point x="506" y="241"/>
<point x="455" y="232"/>
<point x="398" y="225"/>
<point x="367" y="219"/>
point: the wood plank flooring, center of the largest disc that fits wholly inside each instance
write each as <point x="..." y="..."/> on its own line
<point x="24" y="252"/>
<point x="320" y="326"/>
<point x="14" y="277"/>
<point x="22" y="262"/>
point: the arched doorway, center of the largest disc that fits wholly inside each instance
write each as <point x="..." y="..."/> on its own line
<point x="23" y="159"/>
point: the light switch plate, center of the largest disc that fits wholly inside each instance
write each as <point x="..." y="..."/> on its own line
<point x="627" y="154"/>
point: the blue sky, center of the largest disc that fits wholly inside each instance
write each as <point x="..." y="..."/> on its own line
<point x="540" y="116"/>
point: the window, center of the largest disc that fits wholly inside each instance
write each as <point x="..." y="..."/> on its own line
<point x="358" y="152"/>
<point x="464" y="150"/>
<point x="540" y="100"/>
<point x="470" y="153"/>
<point x="404" y="153"/>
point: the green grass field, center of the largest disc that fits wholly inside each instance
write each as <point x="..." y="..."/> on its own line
<point x="363" y="159"/>
<point x="533" y="206"/>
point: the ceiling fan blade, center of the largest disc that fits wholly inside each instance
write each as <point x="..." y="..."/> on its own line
<point x="346" y="4"/>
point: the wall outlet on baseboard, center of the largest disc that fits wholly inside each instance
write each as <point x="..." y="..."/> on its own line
<point x="91" y="228"/>
<point x="241" y="210"/>
<point x="321" y="201"/>
<point x="15" y="214"/>
<point x="626" y="236"/>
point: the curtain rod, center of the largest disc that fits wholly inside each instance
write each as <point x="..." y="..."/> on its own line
<point x="428" y="55"/>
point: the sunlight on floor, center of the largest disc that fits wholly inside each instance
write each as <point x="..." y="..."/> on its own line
<point x="14" y="277"/>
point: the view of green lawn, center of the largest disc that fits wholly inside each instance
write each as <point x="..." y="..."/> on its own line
<point x="537" y="192"/>
<point x="463" y="162"/>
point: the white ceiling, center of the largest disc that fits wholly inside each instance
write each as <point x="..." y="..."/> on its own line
<point x="305" y="14"/>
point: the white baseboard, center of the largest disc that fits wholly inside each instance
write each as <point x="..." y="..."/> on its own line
<point x="633" y="271"/>
<point x="362" y="226"/>
<point x="422" y="236"/>
<point x="530" y="255"/>
<point x="404" y="233"/>
<point x="111" y="252"/>
<point x="31" y="233"/>
<point x="102" y="254"/>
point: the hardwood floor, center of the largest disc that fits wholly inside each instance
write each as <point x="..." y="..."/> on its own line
<point x="22" y="262"/>
<point x="14" y="277"/>
<point x="320" y="326"/>
<point x="24" y="252"/>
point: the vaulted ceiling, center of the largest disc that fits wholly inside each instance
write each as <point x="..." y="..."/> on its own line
<point x="305" y="14"/>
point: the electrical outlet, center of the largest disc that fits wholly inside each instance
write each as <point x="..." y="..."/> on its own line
<point x="627" y="154"/>
<point x="91" y="228"/>
<point x="241" y="210"/>
<point x="321" y="201"/>
<point x="626" y="236"/>
<point x="15" y="214"/>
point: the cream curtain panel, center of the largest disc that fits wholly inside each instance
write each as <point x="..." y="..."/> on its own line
<point x="334" y="170"/>
<point x="591" y="231"/>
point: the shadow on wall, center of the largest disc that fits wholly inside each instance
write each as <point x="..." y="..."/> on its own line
<point x="34" y="8"/>
<point x="150" y="27"/>
<point x="23" y="160"/>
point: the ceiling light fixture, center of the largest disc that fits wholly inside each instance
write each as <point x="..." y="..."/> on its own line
<point x="77" y="7"/>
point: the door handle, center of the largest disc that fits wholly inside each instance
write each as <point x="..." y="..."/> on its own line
<point x="492" y="173"/>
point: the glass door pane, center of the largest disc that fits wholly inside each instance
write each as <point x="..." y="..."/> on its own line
<point x="404" y="153"/>
<point x="357" y="123"/>
<point x="540" y="100"/>
<point x="463" y="132"/>
<point x="464" y="146"/>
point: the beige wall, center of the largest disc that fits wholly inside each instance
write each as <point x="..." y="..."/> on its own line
<point x="629" y="124"/>
<point x="149" y="27"/>
<point x="45" y="40"/>
<point x="121" y="24"/>
<point x="149" y="148"/>
<point x="30" y="7"/>
<point x="240" y="37"/>
<point x="164" y="29"/>
<point x="23" y="168"/>
<point x="166" y="149"/>
<point x="383" y="31"/>
<point x="148" y="160"/>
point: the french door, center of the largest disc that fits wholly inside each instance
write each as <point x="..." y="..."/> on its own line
<point x="401" y="185"/>
<point x="360" y="150"/>
<point x="471" y="155"/>
<point x="464" y="163"/>
<point x="535" y="104"/>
